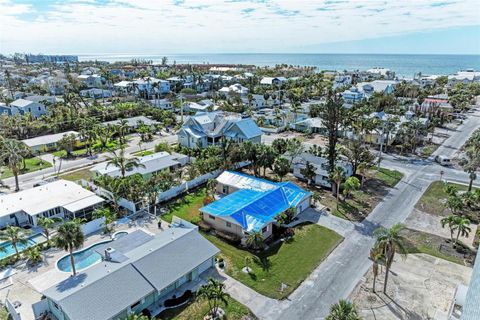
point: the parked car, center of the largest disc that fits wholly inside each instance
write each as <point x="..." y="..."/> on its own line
<point x="443" y="160"/>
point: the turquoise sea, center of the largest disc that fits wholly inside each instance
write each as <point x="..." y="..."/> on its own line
<point x="405" y="65"/>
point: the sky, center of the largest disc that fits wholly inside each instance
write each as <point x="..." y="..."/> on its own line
<point x="155" y="27"/>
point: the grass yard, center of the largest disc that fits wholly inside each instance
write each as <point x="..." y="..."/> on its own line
<point x="286" y="262"/>
<point x="196" y="310"/>
<point x="428" y="149"/>
<point x="421" y="242"/>
<point x="75" y="153"/>
<point x="389" y="177"/>
<point x="77" y="175"/>
<point x="434" y="198"/>
<point x="31" y="165"/>
<point x="187" y="207"/>
<point x="143" y="153"/>
<point x="361" y="202"/>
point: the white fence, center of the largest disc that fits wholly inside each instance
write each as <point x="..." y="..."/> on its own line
<point x="108" y="195"/>
<point x="92" y="226"/>
<point x="164" y="196"/>
<point x="188" y="185"/>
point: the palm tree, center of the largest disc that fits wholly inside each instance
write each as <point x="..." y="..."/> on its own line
<point x="211" y="185"/>
<point x="450" y="222"/>
<point x="69" y="238"/>
<point x="343" y="310"/>
<point x="123" y="163"/>
<point x="281" y="167"/>
<point x="316" y="197"/>
<point x="109" y="216"/>
<point x="213" y="292"/>
<point x="46" y="224"/>
<point x="33" y="255"/>
<point x="255" y="240"/>
<point x="462" y="226"/>
<point x="13" y="154"/>
<point x="16" y="236"/>
<point x="390" y="241"/>
<point x="376" y="255"/>
<point x="337" y="176"/>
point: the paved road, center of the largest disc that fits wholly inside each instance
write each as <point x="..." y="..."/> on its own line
<point x="337" y="276"/>
<point x="29" y="179"/>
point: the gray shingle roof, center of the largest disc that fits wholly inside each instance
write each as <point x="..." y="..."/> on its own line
<point x="175" y="259"/>
<point x="107" y="288"/>
<point x="107" y="296"/>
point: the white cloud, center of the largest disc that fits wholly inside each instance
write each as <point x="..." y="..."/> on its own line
<point x="155" y="27"/>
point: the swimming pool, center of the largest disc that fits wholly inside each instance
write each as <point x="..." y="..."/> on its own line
<point x="9" y="250"/>
<point x="86" y="257"/>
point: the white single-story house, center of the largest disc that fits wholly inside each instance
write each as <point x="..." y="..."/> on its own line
<point x="250" y="204"/>
<point x="322" y="174"/>
<point x="61" y="198"/>
<point x="154" y="163"/>
<point x="47" y="142"/>
<point x="133" y="122"/>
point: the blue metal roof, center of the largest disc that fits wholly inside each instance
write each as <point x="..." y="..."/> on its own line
<point x="249" y="128"/>
<point x="252" y="209"/>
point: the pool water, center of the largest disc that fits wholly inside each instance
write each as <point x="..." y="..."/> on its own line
<point x="86" y="257"/>
<point x="9" y="250"/>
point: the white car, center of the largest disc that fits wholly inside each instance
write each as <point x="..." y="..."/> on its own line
<point x="443" y="160"/>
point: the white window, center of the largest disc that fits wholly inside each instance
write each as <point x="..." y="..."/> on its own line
<point x="211" y="217"/>
<point x="229" y="225"/>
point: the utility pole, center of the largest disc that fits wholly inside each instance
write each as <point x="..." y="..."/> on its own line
<point x="181" y="107"/>
<point x="380" y="151"/>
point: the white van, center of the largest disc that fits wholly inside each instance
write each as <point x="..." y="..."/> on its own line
<point x="443" y="160"/>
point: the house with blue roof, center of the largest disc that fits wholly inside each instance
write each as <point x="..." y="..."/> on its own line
<point x="209" y="128"/>
<point x="250" y="204"/>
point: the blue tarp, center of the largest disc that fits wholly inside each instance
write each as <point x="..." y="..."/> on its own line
<point x="252" y="209"/>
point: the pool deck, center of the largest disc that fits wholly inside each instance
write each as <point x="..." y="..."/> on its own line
<point x="29" y="281"/>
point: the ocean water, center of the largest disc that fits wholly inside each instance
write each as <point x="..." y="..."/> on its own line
<point x="405" y="65"/>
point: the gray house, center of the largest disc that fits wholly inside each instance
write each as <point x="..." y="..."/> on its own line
<point x="206" y="129"/>
<point x="138" y="272"/>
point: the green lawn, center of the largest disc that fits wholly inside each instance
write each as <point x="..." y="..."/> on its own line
<point x="196" y="310"/>
<point x="187" y="207"/>
<point x="289" y="263"/>
<point x="388" y="177"/>
<point x="76" y="153"/>
<point x="361" y="202"/>
<point x="434" y="198"/>
<point x="77" y="175"/>
<point x="31" y="165"/>
<point x="143" y="153"/>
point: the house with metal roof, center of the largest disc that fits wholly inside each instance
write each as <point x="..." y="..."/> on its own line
<point x="250" y="204"/>
<point x="138" y="273"/>
<point x="209" y="128"/>
<point x="60" y="198"/>
<point x="23" y="106"/>
<point x="152" y="164"/>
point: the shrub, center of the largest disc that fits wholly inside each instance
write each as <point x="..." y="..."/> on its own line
<point x="221" y="265"/>
<point x="196" y="220"/>
<point x="229" y="237"/>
